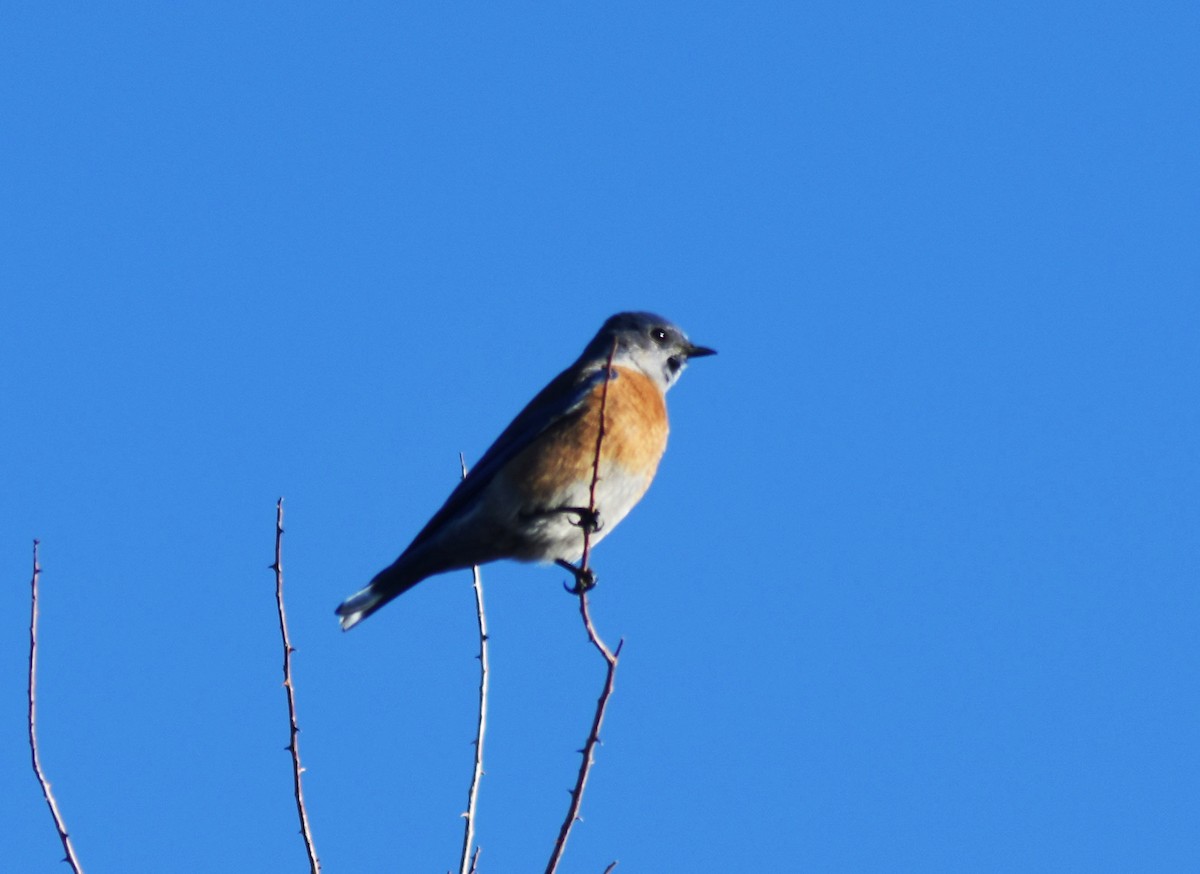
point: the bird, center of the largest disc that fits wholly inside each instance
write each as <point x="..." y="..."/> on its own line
<point x="529" y="497"/>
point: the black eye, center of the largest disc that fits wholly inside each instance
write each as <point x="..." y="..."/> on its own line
<point x="659" y="334"/>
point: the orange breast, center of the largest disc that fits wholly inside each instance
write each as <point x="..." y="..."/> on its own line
<point x="635" y="417"/>
<point x="635" y="438"/>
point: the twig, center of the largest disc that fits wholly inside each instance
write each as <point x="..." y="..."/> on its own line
<point x="600" y="432"/>
<point x="468" y="862"/>
<point x="293" y="740"/>
<point x="610" y="657"/>
<point x="71" y="859"/>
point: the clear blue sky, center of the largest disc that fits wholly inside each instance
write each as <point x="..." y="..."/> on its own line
<point x="917" y="586"/>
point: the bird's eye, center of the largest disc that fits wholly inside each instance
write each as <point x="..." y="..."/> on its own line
<point x="659" y="334"/>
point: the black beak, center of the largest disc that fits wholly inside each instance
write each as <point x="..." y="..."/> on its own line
<point x="698" y="351"/>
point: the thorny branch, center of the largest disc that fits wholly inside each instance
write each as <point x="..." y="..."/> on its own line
<point x="293" y="740"/>
<point x="583" y="576"/>
<point x="469" y="861"/>
<point x="71" y="859"/>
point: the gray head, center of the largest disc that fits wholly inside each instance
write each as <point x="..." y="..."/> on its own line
<point x="648" y="342"/>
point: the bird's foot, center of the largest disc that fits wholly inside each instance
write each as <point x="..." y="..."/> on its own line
<point x="589" y="519"/>
<point x="585" y="578"/>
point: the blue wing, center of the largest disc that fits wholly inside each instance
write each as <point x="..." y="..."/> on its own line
<point x="559" y="402"/>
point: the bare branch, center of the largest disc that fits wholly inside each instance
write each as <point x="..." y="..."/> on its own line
<point x="61" y="826"/>
<point x="468" y="863"/>
<point x="294" y="728"/>
<point x="600" y="432"/>
<point x="610" y="657"/>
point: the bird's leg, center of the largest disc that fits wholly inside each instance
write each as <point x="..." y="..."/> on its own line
<point x="585" y="578"/>
<point x="589" y="519"/>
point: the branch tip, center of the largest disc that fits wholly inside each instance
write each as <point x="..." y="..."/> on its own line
<point x="293" y="746"/>
<point x="60" y="824"/>
<point x="469" y="861"/>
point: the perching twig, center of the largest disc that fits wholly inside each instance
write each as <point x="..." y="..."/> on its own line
<point x="71" y="859"/>
<point x="592" y="521"/>
<point x="293" y="740"/>
<point x="583" y="577"/>
<point x="468" y="862"/>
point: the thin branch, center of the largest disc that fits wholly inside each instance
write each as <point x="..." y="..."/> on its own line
<point x="610" y="657"/>
<point x="468" y="862"/>
<point x="600" y="432"/>
<point x="293" y="740"/>
<point x="589" y="748"/>
<point x="61" y="826"/>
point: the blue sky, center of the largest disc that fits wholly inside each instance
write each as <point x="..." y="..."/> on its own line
<point x="916" y="587"/>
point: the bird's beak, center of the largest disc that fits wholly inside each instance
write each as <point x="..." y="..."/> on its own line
<point x="698" y="351"/>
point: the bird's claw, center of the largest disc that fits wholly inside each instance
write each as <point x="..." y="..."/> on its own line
<point x="585" y="578"/>
<point x="589" y="518"/>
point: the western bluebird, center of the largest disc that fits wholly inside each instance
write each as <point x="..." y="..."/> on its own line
<point x="528" y="496"/>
